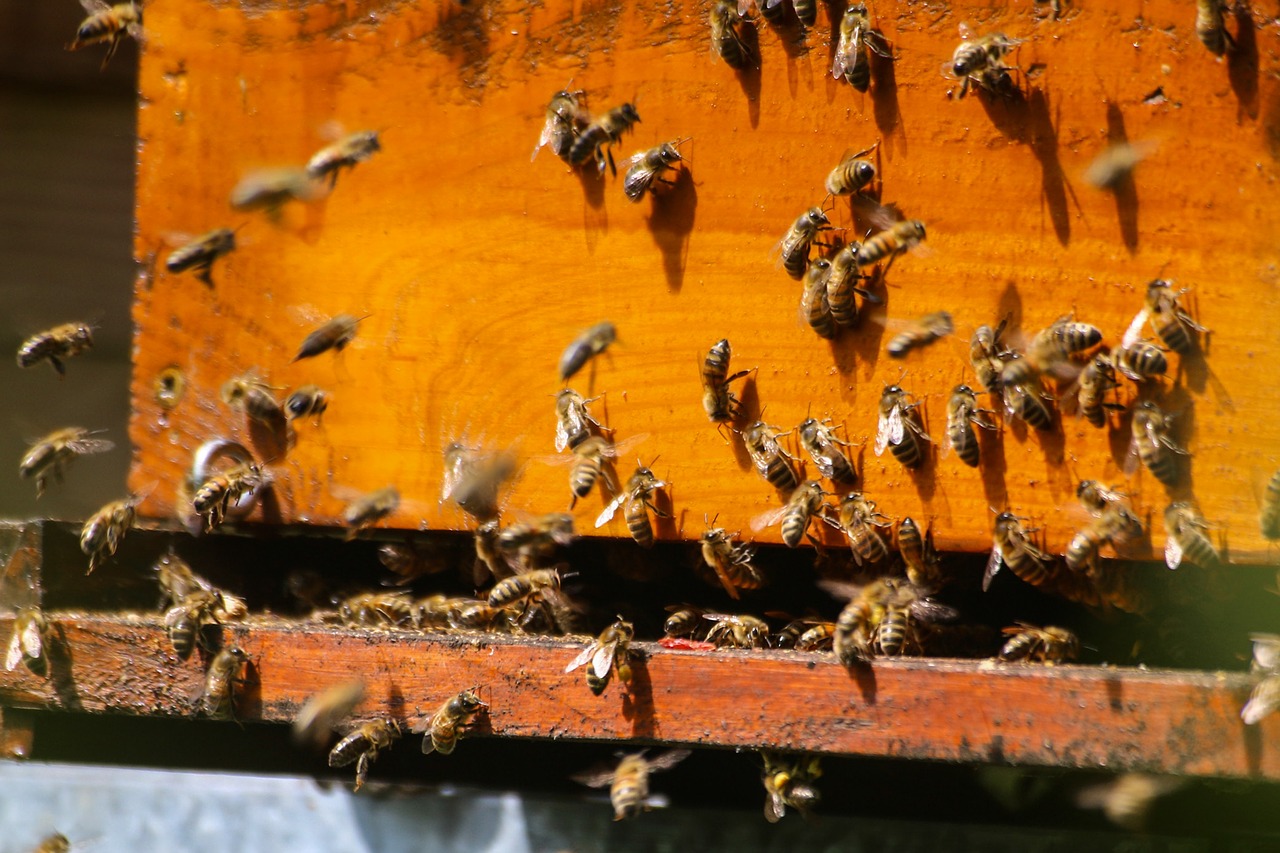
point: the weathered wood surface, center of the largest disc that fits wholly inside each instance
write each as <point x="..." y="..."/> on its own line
<point x="478" y="267"/>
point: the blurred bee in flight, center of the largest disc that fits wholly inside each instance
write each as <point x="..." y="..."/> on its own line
<point x="369" y="509"/>
<point x="324" y="711"/>
<point x="334" y="335"/>
<point x="1023" y="393"/>
<point x="107" y="24"/>
<point x="590" y="343"/>
<point x="628" y="781"/>
<point x="351" y="149"/>
<point x="249" y="394"/>
<point x="270" y="189"/>
<point x="1052" y="349"/>
<point x="920" y="333"/>
<point x="565" y="118"/>
<point x="56" y="345"/>
<point x="306" y="401"/>
<point x="789" y="782"/>
<point x="890" y="243"/>
<point x="473" y="478"/>
<point x="200" y="253"/>
<point x="1211" y="27"/>
<point x="104" y="530"/>
<point x="647" y="168"/>
<point x="49" y="456"/>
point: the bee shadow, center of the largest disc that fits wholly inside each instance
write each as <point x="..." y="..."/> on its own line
<point x="749" y="78"/>
<point x="248" y="693"/>
<point x="884" y="94"/>
<point x="674" y="212"/>
<point x="864" y="676"/>
<point x="58" y="657"/>
<point x="1120" y="436"/>
<point x="1125" y="189"/>
<point x="665" y="526"/>
<point x="271" y="441"/>
<point x="1182" y="406"/>
<point x="992" y="466"/>
<point x="748" y="413"/>
<point x="637" y="699"/>
<point x="1242" y="61"/>
<point x="1025" y="118"/>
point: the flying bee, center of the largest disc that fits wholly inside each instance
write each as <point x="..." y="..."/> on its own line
<point x="1023" y="394"/>
<point x="905" y="607"/>
<point x="219" y="699"/>
<point x="200" y="253"/>
<point x="718" y="401"/>
<point x="1266" y="653"/>
<point x="1263" y="701"/>
<point x="186" y="620"/>
<point x="55" y="843"/>
<point x="637" y="502"/>
<point x="573" y="421"/>
<point x="890" y="243"/>
<point x="376" y="610"/>
<point x="858" y="519"/>
<point x="805" y="502"/>
<point x="1152" y="444"/>
<point x="1012" y="547"/>
<point x="851" y="640"/>
<point x="923" y="567"/>
<point x="224" y="490"/>
<point x="30" y="635"/>
<point x="770" y="459"/>
<point x="450" y="721"/>
<point x="50" y="456"/>
<point x="986" y="355"/>
<point x="852" y="60"/>
<point x="362" y="744"/>
<point x="814" y="307"/>
<point x="103" y="531"/>
<point x="597" y="139"/>
<point x="1051" y="350"/>
<point x="270" y="189"/>
<point x="249" y="394"/>
<point x="920" y="333"/>
<point x="1185" y="538"/>
<point x="325" y="710"/>
<point x="1049" y="644"/>
<point x="307" y="401"/>
<point x="1113" y="168"/>
<point x="589" y="465"/>
<point x="1170" y="321"/>
<point x="980" y="61"/>
<point x="793" y="248"/>
<point x="107" y="24"/>
<point x="1211" y="27"/>
<point x="737" y="632"/>
<point x="525" y="542"/>
<point x="963" y="415"/>
<point x="472" y="479"/>
<point x="56" y="345"/>
<point x="333" y="335"/>
<point x="628" y="781"/>
<point x="1140" y="361"/>
<point x="842" y="285"/>
<point x="177" y="581"/>
<point x="899" y="428"/>
<point x="489" y="561"/>
<point x="351" y="149"/>
<point x="369" y="509"/>
<point x="565" y="116"/>
<point x="608" y="653"/>
<point x="590" y="343"/>
<point x="648" y="167"/>
<point x="731" y="562"/>
<point x="853" y="175"/>
<point x="819" y="441"/>
<point x="1096" y="381"/>
<point x="1269" y="517"/>
<point x="789" y="782"/>
<point x="726" y="42"/>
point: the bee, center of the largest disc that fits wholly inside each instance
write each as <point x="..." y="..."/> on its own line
<point x="852" y="60"/>
<point x="1049" y="644"/>
<point x="858" y="519"/>
<point x="1116" y="525"/>
<point x="817" y="637"/>
<point x="201" y="252"/>
<point x="1115" y="164"/>
<point x="805" y="502"/>
<point x="333" y="335"/>
<point x="591" y="342"/>
<point x="26" y="646"/>
<point x="921" y="332"/>
<point x="448" y="723"/>
<point x="893" y="241"/>
<point x="963" y="415"/>
<point x="1269" y="517"/>
<point x="1127" y="798"/>
<point x="730" y="562"/>
<point x="565" y="116"/>
<point x="103" y="531"/>
<point x="472" y="479"/>
<point x="589" y="465"/>
<point x="376" y="610"/>
<point x="307" y="401"/>
<point x="247" y="393"/>
<point x="980" y="61"/>
<point x="344" y="154"/>
<point x="1152" y="444"/>
<point x="1263" y="701"/>
<point x="718" y="401"/>
<point x="851" y="640"/>
<point x="1097" y="380"/>
<point x="219" y="699"/>
<point x="56" y="345"/>
<point x="177" y="580"/>
<point x="271" y="189"/>
<point x="1095" y="497"/>
<point x="369" y="509"/>
<point x="628" y="781"/>
<point x="1185" y="538"/>
<point x="573" y="420"/>
<point x="648" y="167"/>
<point x="806" y="11"/>
<point x="1171" y="323"/>
<point x="597" y="139"/>
<point x="789" y="783"/>
<point x="905" y="606"/>
<point x="986" y="355"/>
<point x="519" y="587"/>
<point x="1012" y="547"/>
<point x="186" y="620"/>
<point x="107" y="24"/>
<point x="771" y="460"/>
<point x="813" y="302"/>
<point x="1023" y="394"/>
<point x="489" y="562"/>
<point x="55" y="843"/>
<point x="923" y="567"/>
<point x="899" y="428"/>
<point x="325" y="710"/>
<point x="1140" y="361"/>
<point x="1266" y="653"/>
<point x="476" y="616"/>
<point x="361" y="745"/>
<point x="527" y="541"/>
<point x="819" y="441"/>
<point x="684" y="621"/>
<point x="637" y="502"/>
<point x="726" y="43"/>
<point x="842" y="285"/>
<point x="853" y="175"/>
<point x="415" y="558"/>
<point x="737" y="632"/>
<point x="218" y="494"/>
<point x="50" y="456"/>
<point x="610" y="652"/>
<point x="1211" y="28"/>
<point x="1052" y="348"/>
<point x="793" y="248"/>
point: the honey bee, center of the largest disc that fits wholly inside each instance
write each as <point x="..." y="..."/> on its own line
<point x="684" y="621"/>
<point x="1024" y="396"/>
<point x="1097" y="380"/>
<point x="963" y="415"/>
<point x="986" y="355"/>
<point x="270" y="189"/>
<point x="369" y="509"/>
<point x="523" y="543"/>
<point x="1115" y="164"/>
<point x="224" y="490"/>
<point x="333" y="335"/>
<point x="519" y="587"/>
<point x="565" y="116"/>
<point x="1116" y="525"/>
<point x="589" y="466"/>
<point x="448" y="724"/>
<point x="1185" y="538"/>
<point x="177" y="581"/>
<point x="1095" y="497"/>
<point x="610" y="652"/>
<point x="648" y="167"/>
<point x="980" y="61"/>
<point x="629" y="781"/>
<point x="858" y="519"/>
<point x="201" y="252"/>
<point x="1269" y="517"/>
<point x="806" y="11"/>
<point x="793" y="248"/>
<point x="344" y="154"/>
<point x="597" y="139"/>
<point x="1263" y="701"/>
<point x="50" y="456"/>
<point x="726" y="43"/>
<point x="904" y="607"/>
<point x="842" y="285"/>
<point x="1152" y="444"/>
<point x="472" y="479"/>
<point x="851" y="640"/>
<point x="219" y="699"/>
<point x="1266" y="653"/>
<point x="325" y="710"/>
<point x="26" y="646"/>
<point x="103" y="531"/>
<point x="573" y="420"/>
<point x="853" y="175"/>
<point x="56" y="345"/>
<point x="817" y="637"/>
<point x="921" y="561"/>
<point x="731" y="563"/>
<point x="107" y="24"/>
<point x="476" y="616"/>
<point x="852" y="60"/>
<point x="789" y="782"/>
<point x="1140" y="361"/>
<point x="1211" y="27"/>
<point x="249" y="394"/>
<point x="1051" y="349"/>
<point x="187" y="619"/>
<point x="718" y="401"/>
<point x="376" y="610"/>
<point x="813" y="302"/>
<point x="489" y="562"/>
<point x="899" y="428"/>
<point x="362" y="744"/>
<point x="771" y="460"/>
<point x="591" y="342"/>
<point x="1047" y="645"/>
<point x="415" y="558"/>
<point x="637" y="502"/>
<point x="890" y="243"/>
<point x="805" y="502"/>
<point x="921" y="332"/>
<point x="1127" y="798"/>
<point x="1012" y="547"/>
<point x="307" y="401"/>
<point x="819" y="441"/>
<point x="1171" y="323"/>
<point x="737" y="632"/>
<point x="55" y="843"/>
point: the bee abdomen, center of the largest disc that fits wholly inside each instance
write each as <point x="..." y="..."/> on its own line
<point x="859" y="73"/>
<point x="1033" y="410"/>
<point x="807" y="11"/>
<point x="1162" y="464"/>
<point x="585" y="474"/>
<point x="1270" y="515"/>
<point x="1029" y="568"/>
<point x="638" y="524"/>
<point x="908" y="451"/>
<point x="964" y="441"/>
<point x="891" y="633"/>
<point x="781" y="475"/>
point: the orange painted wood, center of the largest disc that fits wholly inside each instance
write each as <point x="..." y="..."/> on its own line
<point x="949" y="710"/>
<point x="477" y="267"/>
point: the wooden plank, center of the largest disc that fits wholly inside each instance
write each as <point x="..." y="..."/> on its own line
<point x="477" y="267"/>
<point x="1165" y="721"/>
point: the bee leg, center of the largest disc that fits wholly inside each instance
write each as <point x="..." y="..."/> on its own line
<point x="205" y="273"/>
<point x="111" y="51"/>
<point x="58" y="366"/>
<point x="612" y="167"/>
<point x="362" y="770"/>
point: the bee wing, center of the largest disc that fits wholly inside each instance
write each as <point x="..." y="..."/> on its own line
<point x="842" y="60"/>
<point x="583" y="657"/>
<point x="768" y="518"/>
<point x="775" y="808"/>
<point x="946" y="439"/>
<point x="85" y="446"/>
<point x="634" y="160"/>
<point x="597" y="777"/>
<point x="14" y="655"/>
<point x="993" y="566"/>
<point x="1134" y="333"/>
<point x="1264" y="699"/>
<point x="562" y="437"/>
<point x="896" y="428"/>
<point x="1172" y="552"/>
<point x="602" y="660"/>
<point x="745" y="7"/>
<point x="607" y="513"/>
<point x="966" y="32"/>
<point x="620" y="447"/>
<point x="548" y="130"/>
<point x="93" y="7"/>
<point x="668" y="759"/>
<point x="882" y="433"/>
<point x="840" y="590"/>
<point x="928" y="610"/>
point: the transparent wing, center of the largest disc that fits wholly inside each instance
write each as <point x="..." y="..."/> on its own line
<point x="562" y="437"/>
<point x="775" y="808"/>
<point x="31" y="642"/>
<point x="1134" y="332"/>
<point x="594" y="778"/>
<point x="896" y="426"/>
<point x="882" y="435"/>
<point x="668" y="759"/>
<point x="583" y="656"/>
<point x="993" y="567"/>
<point x="844" y="56"/>
<point x="1131" y="457"/>
<point x="606" y="515"/>
<point x="14" y="656"/>
<point x="768" y="519"/>
<point x="1172" y="552"/>
<point x="602" y="660"/>
<point x="85" y="446"/>
<point x="548" y="130"/>
<point x="945" y="450"/>
<point x="93" y="7"/>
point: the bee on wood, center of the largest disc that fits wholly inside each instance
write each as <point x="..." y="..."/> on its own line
<point x="526" y="542"/>
<point x="852" y="60"/>
<point x="1012" y="547"/>
<point x="56" y="345"/>
<point x="648" y="167"/>
<point x="770" y="459"/>
<point x="1096" y="381"/>
<point x="637" y="502"/>
<point x="726" y="42"/>
<point x="813" y="301"/>
<point x="1211" y="27"/>
<point x="899" y="428"/>
<point x="477" y="616"/>
<point x="249" y="394"/>
<point x="177" y="581"/>
<point x="448" y="724"/>
<point x="216" y="495"/>
<point x="854" y="174"/>
<point x="26" y="646"/>
<point x="1152" y="444"/>
<point x="793" y="248"/>
<point x="1095" y="497"/>
<point x="596" y="141"/>
<point x="963" y="415"/>
<point x="608" y="653"/>
<point x="333" y="335"/>
<point x="107" y="24"/>
<point x="323" y="712"/>
<point x="842" y="285"/>
<point x="573" y="421"/>
<point x="270" y="189"/>
<point x="890" y="243"/>
<point x="731" y="562"/>
<point x="376" y="610"/>
<point x="362" y="744"/>
<point x="1185" y="538"/>
<point x="858" y="519"/>
<point x="1140" y="361"/>
<point x="1168" y="319"/>
<point x="307" y="401"/>
<point x="344" y="154"/>
<point x="1269" y="517"/>
<point x="1263" y="701"/>
<point x="737" y="632"/>
<point x="1051" y="350"/>
<point x="219" y="699"/>
<point x="472" y="479"/>
<point x="718" y="401"/>
<point x="819" y="441"/>
<point x="920" y="333"/>
<point x="789" y="781"/>
<point x="628" y="781"/>
<point x="565" y="117"/>
<point x="904" y="607"/>
<point x="49" y="457"/>
<point x="980" y="62"/>
<point x="104" y="530"/>
<point x="986" y="355"/>
<point x="200" y="253"/>
<point x="590" y="343"/>
<point x="805" y="502"/>
<point x="187" y="619"/>
<point x="1024" y="396"/>
<point x="1047" y="645"/>
<point x="923" y="566"/>
<point x="851" y="640"/>
<point x="369" y="509"/>
<point x="519" y="587"/>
